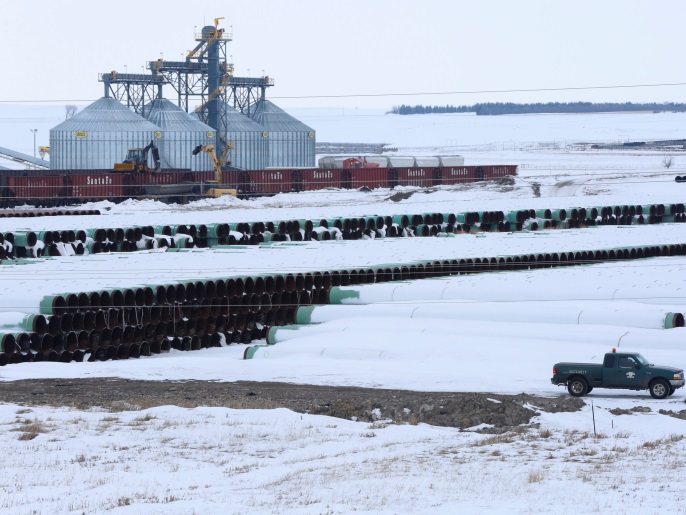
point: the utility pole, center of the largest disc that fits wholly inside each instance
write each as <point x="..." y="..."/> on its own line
<point x="34" y="140"/>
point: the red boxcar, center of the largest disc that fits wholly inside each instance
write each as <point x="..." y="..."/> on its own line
<point x="457" y="174"/>
<point x="421" y="177"/>
<point x="371" y="178"/>
<point x="96" y="185"/>
<point x="493" y="172"/>
<point x="35" y="186"/>
<point x="317" y="178"/>
<point x="261" y="182"/>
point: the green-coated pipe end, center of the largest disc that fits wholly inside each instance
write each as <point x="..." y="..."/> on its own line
<point x="303" y="315"/>
<point x="272" y="332"/>
<point x="25" y="239"/>
<point x="250" y="351"/>
<point x="53" y="305"/>
<point x="34" y="323"/>
<point x="337" y="296"/>
<point x="271" y="335"/>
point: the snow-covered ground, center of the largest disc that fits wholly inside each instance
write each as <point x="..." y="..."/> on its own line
<point x="175" y="460"/>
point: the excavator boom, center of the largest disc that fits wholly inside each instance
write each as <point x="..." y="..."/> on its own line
<point x="214" y="189"/>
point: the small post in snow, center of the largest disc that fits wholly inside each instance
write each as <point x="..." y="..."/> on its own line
<point x="593" y="412"/>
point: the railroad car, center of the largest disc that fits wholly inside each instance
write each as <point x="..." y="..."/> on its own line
<point x="64" y="187"/>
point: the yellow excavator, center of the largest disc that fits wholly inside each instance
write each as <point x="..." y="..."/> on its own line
<point x="213" y="188"/>
<point x="137" y="160"/>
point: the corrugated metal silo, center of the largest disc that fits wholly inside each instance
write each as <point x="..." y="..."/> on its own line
<point x="291" y="142"/>
<point x="181" y="133"/>
<point x="99" y="136"/>
<point x="250" y="141"/>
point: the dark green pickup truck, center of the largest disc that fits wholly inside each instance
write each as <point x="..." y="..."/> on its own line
<point x="627" y="370"/>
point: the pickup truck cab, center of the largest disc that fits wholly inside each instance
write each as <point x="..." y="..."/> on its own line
<point x="627" y="370"/>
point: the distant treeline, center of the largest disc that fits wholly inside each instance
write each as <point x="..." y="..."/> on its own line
<point x="495" y="108"/>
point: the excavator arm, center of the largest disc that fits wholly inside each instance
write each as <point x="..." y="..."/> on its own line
<point x="156" y="158"/>
<point x="215" y="190"/>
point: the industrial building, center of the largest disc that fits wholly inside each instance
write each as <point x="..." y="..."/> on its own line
<point x="99" y="136"/>
<point x="231" y="113"/>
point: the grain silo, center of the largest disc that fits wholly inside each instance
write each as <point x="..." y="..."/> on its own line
<point x="249" y="139"/>
<point x="291" y="142"/>
<point x="181" y="133"/>
<point x="99" y="136"/>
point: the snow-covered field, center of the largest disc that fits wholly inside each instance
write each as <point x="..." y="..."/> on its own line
<point x="175" y="460"/>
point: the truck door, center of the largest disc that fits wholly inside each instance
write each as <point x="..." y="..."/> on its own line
<point x="627" y="373"/>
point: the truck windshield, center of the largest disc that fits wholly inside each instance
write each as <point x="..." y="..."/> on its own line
<point x="641" y="360"/>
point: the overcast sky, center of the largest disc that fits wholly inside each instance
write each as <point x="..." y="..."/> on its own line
<point x="54" y="50"/>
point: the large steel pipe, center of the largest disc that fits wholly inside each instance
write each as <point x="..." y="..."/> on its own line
<point x="519" y="287"/>
<point x="16" y="321"/>
<point x="396" y="329"/>
<point x="587" y="313"/>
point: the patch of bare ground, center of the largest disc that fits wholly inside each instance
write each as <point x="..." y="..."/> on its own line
<point x="492" y="413"/>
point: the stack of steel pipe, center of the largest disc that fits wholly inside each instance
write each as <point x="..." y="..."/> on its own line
<point x="69" y="242"/>
<point x="106" y="323"/>
<point x="31" y="213"/>
<point x="121" y="323"/>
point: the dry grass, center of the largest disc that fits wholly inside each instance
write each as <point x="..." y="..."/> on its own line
<point x="27" y="436"/>
<point x="535" y="476"/>
<point x="671" y="439"/>
<point x="495" y="439"/>
<point x="29" y="429"/>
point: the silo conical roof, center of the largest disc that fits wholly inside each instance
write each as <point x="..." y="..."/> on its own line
<point x="237" y="121"/>
<point x="106" y="114"/>
<point x="170" y="117"/>
<point x="273" y="118"/>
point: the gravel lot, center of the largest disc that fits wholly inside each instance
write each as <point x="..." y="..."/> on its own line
<point x="498" y="413"/>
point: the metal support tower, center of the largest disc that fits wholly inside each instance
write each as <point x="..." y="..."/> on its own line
<point x="205" y="78"/>
<point x="136" y="90"/>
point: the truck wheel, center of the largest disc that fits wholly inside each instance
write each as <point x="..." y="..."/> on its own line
<point x="659" y="389"/>
<point x="577" y="387"/>
<point x="590" y="389"/>
<point x="672" y="390"/>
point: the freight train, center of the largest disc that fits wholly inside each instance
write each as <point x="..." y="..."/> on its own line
<point x="65" y="187"/>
